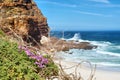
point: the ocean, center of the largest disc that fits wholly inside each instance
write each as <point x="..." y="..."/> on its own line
<point x="105" y="56"/>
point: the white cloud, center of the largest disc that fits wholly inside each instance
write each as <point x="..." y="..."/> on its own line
<point x="101" y="1"/>
<point x="107" y="5"/>
<point x="59" y="4"/>
<point x="94" y="14"/>
<point x="111" y="5"/>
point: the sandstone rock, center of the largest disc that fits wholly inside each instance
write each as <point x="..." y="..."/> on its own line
<point x="24" y="18"/>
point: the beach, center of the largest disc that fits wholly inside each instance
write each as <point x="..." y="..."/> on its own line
<point x="86" y="71"/>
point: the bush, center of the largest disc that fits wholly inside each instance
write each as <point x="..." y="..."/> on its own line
<point x="14" y="64"/>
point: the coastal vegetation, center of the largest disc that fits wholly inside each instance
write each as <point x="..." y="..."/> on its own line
<point x="22" y="63"/>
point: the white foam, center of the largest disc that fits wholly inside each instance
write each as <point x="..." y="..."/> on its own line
<point x="101" y="43"/>
<point x="107" y="64"/>
<point x="76" y="37"/>
<point x="109" y="53"/>
<point x="118" y="47"/>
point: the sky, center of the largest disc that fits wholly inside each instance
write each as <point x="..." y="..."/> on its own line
<point x="81" y="15"/>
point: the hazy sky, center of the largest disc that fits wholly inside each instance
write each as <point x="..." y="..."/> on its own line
<point x="81" y="14"/>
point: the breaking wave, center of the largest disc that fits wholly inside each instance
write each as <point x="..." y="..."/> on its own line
<point x="106" y="54"/>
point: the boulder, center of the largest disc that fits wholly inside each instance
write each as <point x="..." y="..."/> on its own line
<point x="44" y="40"/>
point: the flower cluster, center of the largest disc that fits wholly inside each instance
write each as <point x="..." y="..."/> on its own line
<point x="40" y="60"/>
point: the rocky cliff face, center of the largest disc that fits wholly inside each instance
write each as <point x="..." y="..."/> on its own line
<point x="24" y="18"/>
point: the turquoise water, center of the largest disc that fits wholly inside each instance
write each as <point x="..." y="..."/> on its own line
<point x="106" y="55"/>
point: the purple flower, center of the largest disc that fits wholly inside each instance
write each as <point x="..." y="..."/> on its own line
<point x="40" y="60"/>
<point x="44" y="60"/>
<point x="40" y="64"/>
<point x="28" y="52"/>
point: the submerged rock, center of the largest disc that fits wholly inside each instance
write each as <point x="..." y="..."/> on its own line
<point x="24" y="18"/>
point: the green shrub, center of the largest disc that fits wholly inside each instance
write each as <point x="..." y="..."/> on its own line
<point x="2" y="33"/>
<point x="14" y="64"/>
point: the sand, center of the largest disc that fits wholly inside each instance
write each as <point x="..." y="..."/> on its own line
<point x="85" y="71"/>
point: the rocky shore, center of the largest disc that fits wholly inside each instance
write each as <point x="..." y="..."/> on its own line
<point x="63" y="45"/>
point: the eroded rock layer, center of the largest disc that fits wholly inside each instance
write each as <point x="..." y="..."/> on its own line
<point x="24" y="18"/>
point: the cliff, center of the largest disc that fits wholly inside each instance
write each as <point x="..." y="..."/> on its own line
<point x="24" y="18"/>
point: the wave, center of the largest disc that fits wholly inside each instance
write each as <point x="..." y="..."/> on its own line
<point x="109" y="53"/>
<point x="118" y="47"/>
<point x="101" y="43"/>
<point x="107" y="64"/>
<point x="76" y="37"/>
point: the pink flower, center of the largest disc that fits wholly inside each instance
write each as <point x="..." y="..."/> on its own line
<point x="40" y="60"/>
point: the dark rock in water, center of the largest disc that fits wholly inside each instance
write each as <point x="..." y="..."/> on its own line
<point x="62" y="45"/>
<point x="24" y="18"/>
<point x="70" y="52"/>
